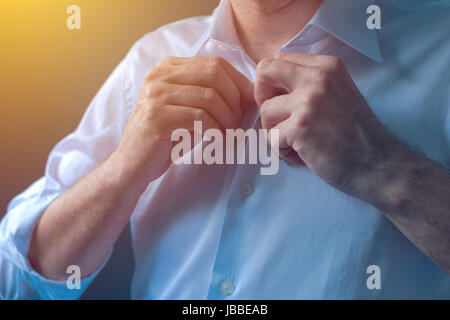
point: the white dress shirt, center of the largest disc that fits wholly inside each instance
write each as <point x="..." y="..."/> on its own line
<point x="225" y="231"/>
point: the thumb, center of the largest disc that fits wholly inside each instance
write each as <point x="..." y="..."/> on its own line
<point x="264" y="86"/>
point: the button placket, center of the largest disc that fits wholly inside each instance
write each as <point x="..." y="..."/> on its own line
<point x="222" y="284"/>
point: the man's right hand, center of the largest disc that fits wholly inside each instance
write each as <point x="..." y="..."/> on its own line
<point x="177" y="92"/>
<point x="81" y="226"/>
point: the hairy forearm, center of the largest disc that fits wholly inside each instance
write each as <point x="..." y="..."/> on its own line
<point x="414" y="194"/>
<point x="81" y="226"/>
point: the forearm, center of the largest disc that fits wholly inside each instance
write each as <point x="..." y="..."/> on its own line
<point x="333" y="130"/>
<point x="413" y="193"/>
<point x="81" y="226"/>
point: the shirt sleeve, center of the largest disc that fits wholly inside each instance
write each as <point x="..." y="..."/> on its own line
<point x="97" y="135"/>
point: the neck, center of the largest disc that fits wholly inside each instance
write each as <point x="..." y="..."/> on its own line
<point x="263" y="26"/>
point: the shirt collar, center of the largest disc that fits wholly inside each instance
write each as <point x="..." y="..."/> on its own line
<point x="343" y="19"/>
<point x="346" y="20"/>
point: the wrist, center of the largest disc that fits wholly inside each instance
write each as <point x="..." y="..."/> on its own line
<point x="123" y="174"/>
<point x="377" y="175"/>
<point x="386" y="181"/>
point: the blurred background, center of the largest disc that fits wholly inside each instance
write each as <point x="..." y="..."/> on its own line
<point x="49" y="74"/>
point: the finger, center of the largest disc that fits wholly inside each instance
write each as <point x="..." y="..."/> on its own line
<point x="207" y="99"/>
<point x="275" y="76"/>
<point x="325" y="62"/>
<point x="283" y="140"/>
<point x="206" y="75"/>
<point x="284" y="145"/>
<point x="275" y="110"/>
<point x="305" y="59"/>
<point x="280" y="147"/>
<point x="180" y="117"/>
<point x="244" y="85"/>
<point x="289" y="155"/>
<point x="293" y="158"/>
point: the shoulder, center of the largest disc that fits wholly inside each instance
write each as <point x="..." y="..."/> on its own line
<point x="174" y="39"/>
<point x="403" y="18"/>
<point x="417" y="28"/>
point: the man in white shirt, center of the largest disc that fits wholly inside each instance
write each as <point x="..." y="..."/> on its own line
<point x="349" y="195"/>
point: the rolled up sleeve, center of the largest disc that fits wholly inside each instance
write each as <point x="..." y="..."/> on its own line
<point x="97" y="135"/>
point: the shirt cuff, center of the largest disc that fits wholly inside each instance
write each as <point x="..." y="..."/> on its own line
<point x="60" y="290"/>
<point x="16" y="230"/>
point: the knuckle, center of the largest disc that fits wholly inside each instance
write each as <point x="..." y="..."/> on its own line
<point x="300" y="119"/>
<point x="216" y="60"/>
<point x="321" y="75"/>
<point x="154" y="91"/>
<point x="209" y="95"/>
<point x="294" y="70"/>
<point x="148" y="111"/>
<point x="236" y="97"/>
<point x="312" y="101"/>
<point x="200" y="114"/>
<point x="333" y="63"/>
<point x="299" y="149"/>
<point x="164" y="61"/>
<point x="152" y="111"/>
<point x="262" y="67"/>
<point x="213" y="68"/>
<point x="152" y="74"/>
<point x="284" y="54"/>
<point x="264" y="110"/>
<point x="323" y="79"/>
<point x="149" y="74"/>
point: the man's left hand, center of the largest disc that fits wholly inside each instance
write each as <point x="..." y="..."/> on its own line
<point x="323" y="119"/>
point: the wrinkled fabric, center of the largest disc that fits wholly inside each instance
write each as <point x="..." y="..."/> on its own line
<point x="227" y="232"/>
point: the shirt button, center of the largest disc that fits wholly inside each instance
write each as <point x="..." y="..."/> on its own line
<point x="245" y="189"/>
<point x="227" y="287"/>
